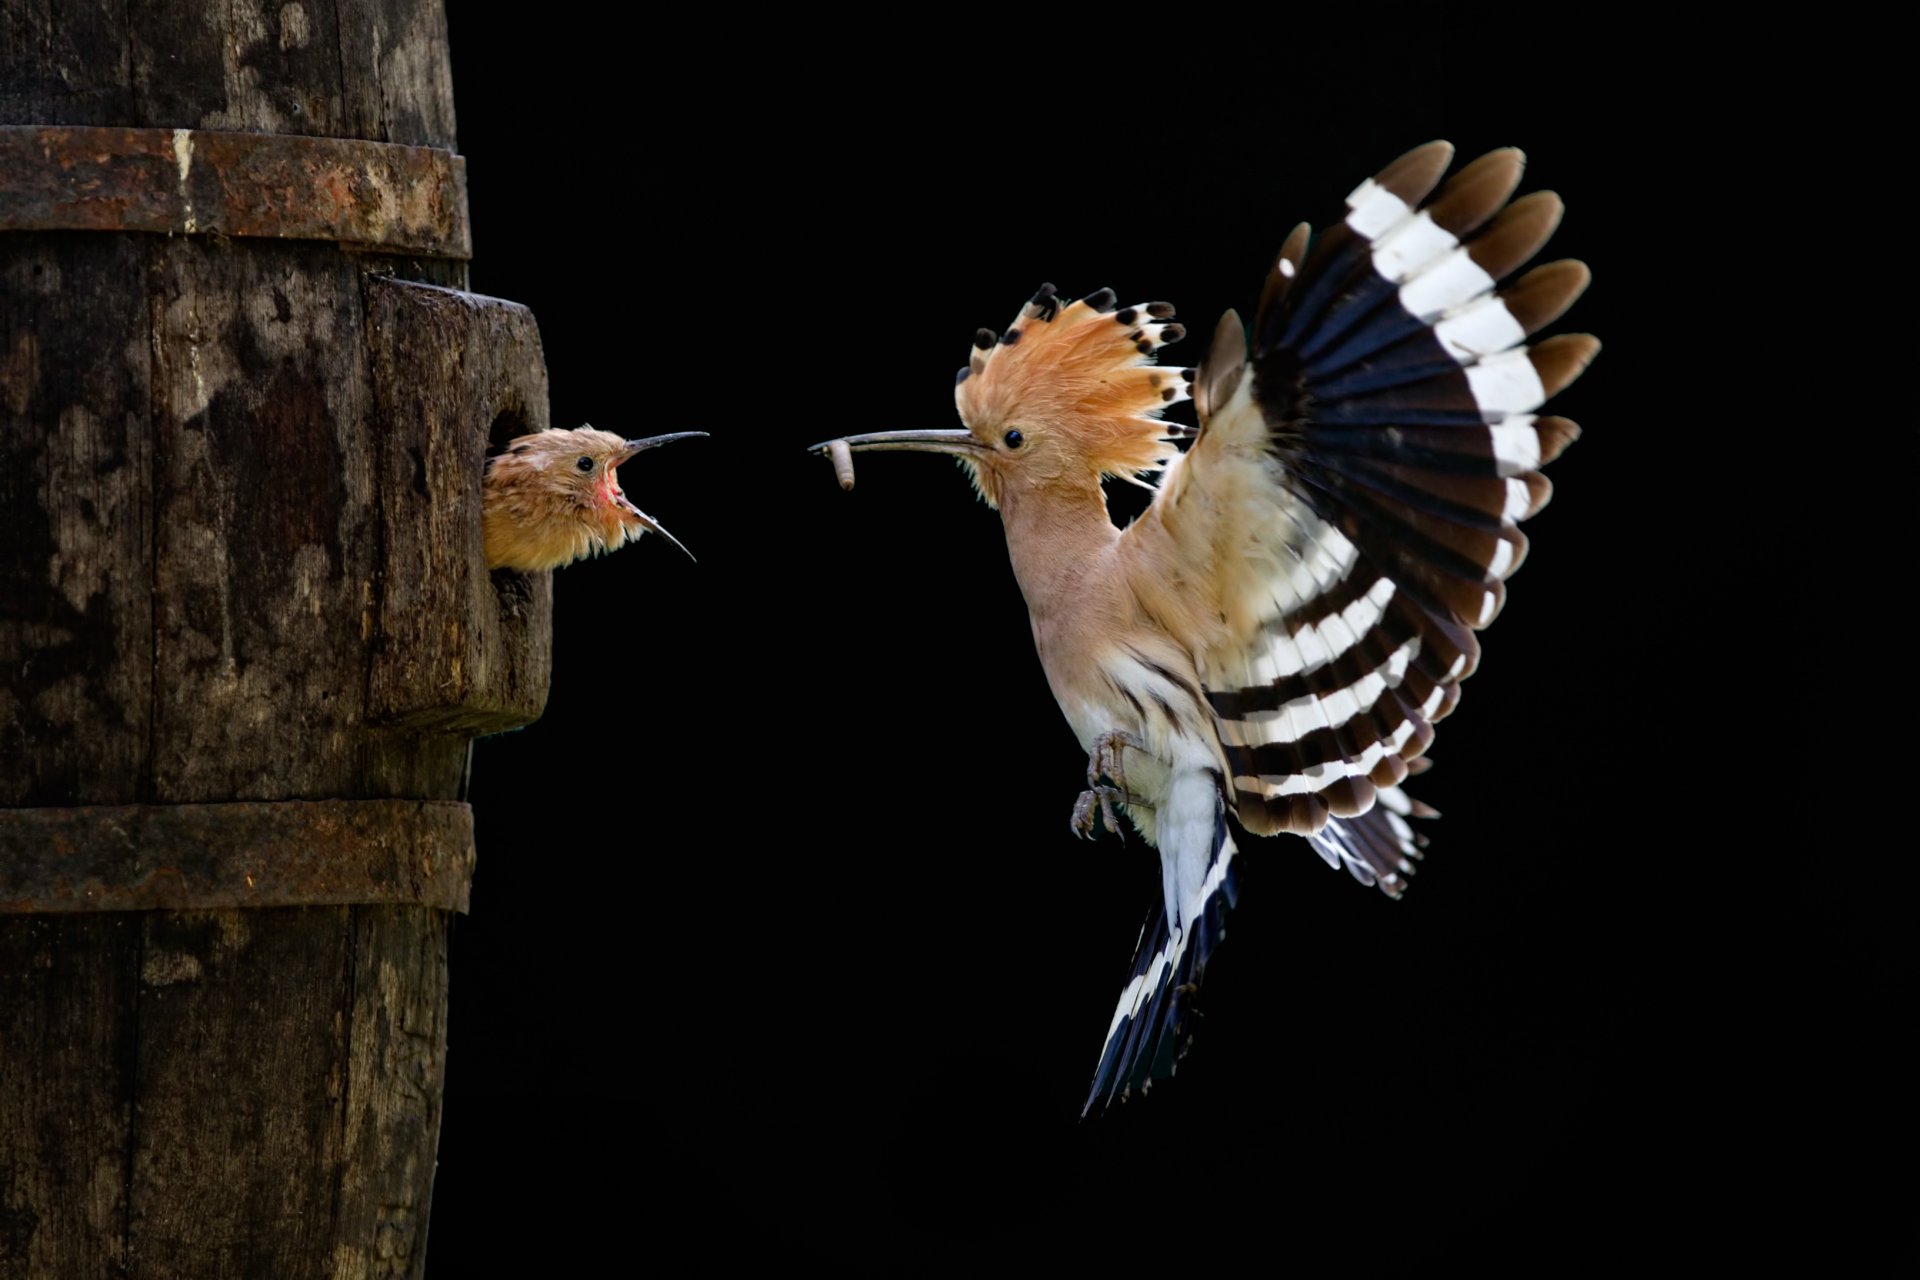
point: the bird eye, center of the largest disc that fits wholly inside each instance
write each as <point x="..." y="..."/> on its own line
<point x="1013" y="439"/>
<point x="585" y="463"/>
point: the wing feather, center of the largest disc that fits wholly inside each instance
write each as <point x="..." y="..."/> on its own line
<point x="1366" y="453"/>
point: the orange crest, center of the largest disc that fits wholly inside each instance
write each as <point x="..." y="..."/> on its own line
<point x="1083" y="372"/>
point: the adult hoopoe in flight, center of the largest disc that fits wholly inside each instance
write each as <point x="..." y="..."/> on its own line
<point x="1274" y="639"/>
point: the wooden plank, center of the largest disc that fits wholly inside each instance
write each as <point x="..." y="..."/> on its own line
<point x="76" y="640"/>
<point x="459" y="649"/>
<point x="396" y="1069"/>
<point x="232" y="1093"/>
<point x="64" y="62"/>
<point x="374" y="69"/>
<point x="67" y="1028"/>
<point x="391" y="91"/>
<point x="237" y="1118"/>
<point x="281" y="69"/>
<point x="177" y="66"/>
<point x="245" y="854"/>
<point x="263" y="557"/>
<point x="401" y="763"/>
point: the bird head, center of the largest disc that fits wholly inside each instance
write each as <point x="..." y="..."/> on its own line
<point x="1067" y="395"/>
<point x="554" y="497"/>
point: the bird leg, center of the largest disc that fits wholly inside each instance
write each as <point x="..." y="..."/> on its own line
<point x="1104" y="761"/>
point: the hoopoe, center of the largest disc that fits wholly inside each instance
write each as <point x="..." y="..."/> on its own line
<point x="1273" y="640"/>
<point x="554" y="497"/>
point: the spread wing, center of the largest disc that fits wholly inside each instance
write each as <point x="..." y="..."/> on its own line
<point x="1365" y="456"/>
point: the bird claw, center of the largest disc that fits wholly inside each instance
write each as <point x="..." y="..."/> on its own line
<point x="1103" y="761"/>
<point x="1100" y="799"/>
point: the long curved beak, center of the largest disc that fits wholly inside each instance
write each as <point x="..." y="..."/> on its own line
<point x="956" y="441"/>
<point x="632" y="447"/>
<point x="648" y="523"/>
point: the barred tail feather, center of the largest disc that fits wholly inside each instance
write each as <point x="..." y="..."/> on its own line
<point x="1151" y="1026"/>
<point x="1377" y="847"/>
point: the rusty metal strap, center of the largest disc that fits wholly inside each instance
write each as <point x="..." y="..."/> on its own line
<point x="373" y="195"/>
<point x="251" y="854"/>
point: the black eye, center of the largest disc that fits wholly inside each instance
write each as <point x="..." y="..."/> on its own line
<point x="585" y="463"/>
<point x="1013" y="439"/>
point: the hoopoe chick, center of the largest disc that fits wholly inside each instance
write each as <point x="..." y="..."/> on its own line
<point x="1268" y="647"/>
<point x="554" y="497"/>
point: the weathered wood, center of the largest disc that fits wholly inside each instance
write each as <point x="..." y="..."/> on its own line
<point x="396" y="1070"/>
<point x="389" y="91"/>
<point x="75" y="521"/>
<point x="198" y="856"/>
<point x="66" y="1093"/>
<point x="373" y="69"/>
<point x="263" y="552"/>
<point x="228" y="1031"/>
<point x="237" y="1092"/>
<point x="402" y="763"/>
<point x="459" y="649"/>
<point x="65" y="62"/>
<point x="215" y="559"/>
<point x="372" y="195"/>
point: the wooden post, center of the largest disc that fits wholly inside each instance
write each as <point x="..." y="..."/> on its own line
<point x="246" y="629"/>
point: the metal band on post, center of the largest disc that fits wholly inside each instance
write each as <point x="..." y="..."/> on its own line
<point x="370" y="195"/>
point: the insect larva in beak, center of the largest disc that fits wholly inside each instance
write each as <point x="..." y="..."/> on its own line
<point x="842" y="462"/>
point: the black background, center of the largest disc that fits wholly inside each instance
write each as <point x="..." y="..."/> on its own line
<point x="780" y="946"/>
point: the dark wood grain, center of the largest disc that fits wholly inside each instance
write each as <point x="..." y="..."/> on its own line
<point x="224" y="575"/>
<point x="76" y="521"/>
<point x="65" y="62"/>
<point x="459" y="648"/>
<point x="236" y="1122"/>
<point x="389" y="92"/>
<point x="374" y="69"/>
<point x="396" y="1069"/>
<point x="91" y="858"/>
<point x="67" y="1048"/>
<point x="264" y="530"/>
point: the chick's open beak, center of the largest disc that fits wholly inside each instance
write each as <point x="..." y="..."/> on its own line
<point x="648" y="522"/>
<point x="632" y="447"/>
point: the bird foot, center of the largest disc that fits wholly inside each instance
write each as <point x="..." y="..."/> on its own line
<point x="1103" y="761"/>
<point x="1099" y="800"/>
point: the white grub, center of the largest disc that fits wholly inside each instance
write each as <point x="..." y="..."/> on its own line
<point x="842" y="462"/>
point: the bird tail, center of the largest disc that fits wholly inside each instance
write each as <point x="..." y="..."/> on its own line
<point x="1378" y="846"/>
<point x="1152" y="1025"/>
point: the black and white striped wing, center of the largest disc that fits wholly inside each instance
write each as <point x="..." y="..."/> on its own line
<point x="1366" y="454"/>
